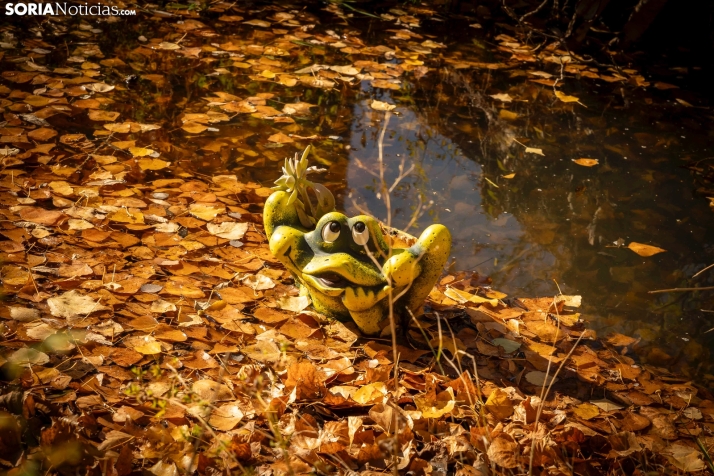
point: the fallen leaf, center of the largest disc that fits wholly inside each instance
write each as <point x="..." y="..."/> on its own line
<point x="370" y="393"/>
<point x="499" y="404"/>
<point x="211" y="391"/>
<point x="381" y="106"/>
<point x="684" y="457"/>
<point x="153" y="164"/>
<point x="533" y="150"/>
<point x="507" y="115"/>
<point x="280" y="138"/>
<point x="226" y="417"/>
<point x="72" y="303"/>
<point x="644" y="250"/>
<point x="442" y="405"/>
<point x="586" y="411"/>
<point x="606" y="405"/>
<point x="27" y="356"/>
<point x="586" y="162"/>
<point x="293" y="303"/>
<point x="503" y="451"/>
<point x="565" y="98"/>
<point x="504" y="97"/>
<point x="540" y="378"/>
<point x="228" y="230"/>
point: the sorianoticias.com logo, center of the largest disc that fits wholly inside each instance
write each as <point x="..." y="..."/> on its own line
<point x="63" y="8"/>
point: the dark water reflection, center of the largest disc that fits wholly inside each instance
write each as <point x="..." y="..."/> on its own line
<point x="555" y="221"/>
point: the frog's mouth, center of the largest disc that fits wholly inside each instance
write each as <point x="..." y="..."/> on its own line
<point x="354" y="297"/>
<point x="332" y="280"/>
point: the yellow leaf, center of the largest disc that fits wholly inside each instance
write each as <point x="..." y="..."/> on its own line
<point x="586" y="411"/>
<point x="123" y="128"/>
<point x="586" y="162"/>
<point x="565" y="98"/>
<point x="443" y="404"/>
<point x="507" y="115"/>
<point x="463" y="297"/>
<point x="194" y="127"/>
<point x="533" y="150"/>
<point x="505" y="97"/>
<point x="153" y="164"/>
<point x="509" y="176"/>
<point x="141" y="151"/>
<point x="267" y="74"/>
<point x="285" y="79"/>
<point x="372" y="393"/>
<point x="280" y="138"/>
<point x="147" y="345"/>
<point x="123" y="216"/>
<point x="205" y="211"/>
<point x="644" y="250"/>
<point x="499" y="405"/>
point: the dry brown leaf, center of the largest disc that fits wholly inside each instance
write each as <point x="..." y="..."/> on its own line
<point x="503" y="451"/>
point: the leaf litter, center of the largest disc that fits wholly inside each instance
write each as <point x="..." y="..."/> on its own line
<point x="143" y="335"/>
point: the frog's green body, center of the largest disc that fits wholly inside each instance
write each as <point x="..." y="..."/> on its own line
<point x="344" y="263"/>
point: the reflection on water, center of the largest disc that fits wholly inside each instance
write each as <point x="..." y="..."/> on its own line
<point x="556" y="223"/>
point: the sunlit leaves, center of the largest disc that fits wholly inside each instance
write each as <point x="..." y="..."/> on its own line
<point x="645" y="250"/>
<point x="381" y="106"/>
<point x="503" y="97"/>
<point x="228" y="230"/>
<point x="534" y="150"/>
<point x="566" y="98"/>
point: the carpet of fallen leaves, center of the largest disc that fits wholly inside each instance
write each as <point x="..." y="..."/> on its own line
<point x="146" y="327"/>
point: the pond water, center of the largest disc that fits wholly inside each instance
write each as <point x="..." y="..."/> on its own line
<point x="531" y="219"/>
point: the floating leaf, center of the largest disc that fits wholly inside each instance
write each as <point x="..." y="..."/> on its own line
<point x="533" y="150"/>
<point x="503" y="97"/>
<point x="280" y="138"/>
<point x="645" y="250"/>
<point x="153" y="164"/>
<point x="586" y="162"/>
<point x="381" y="106"/>
<point x="565" y="98"/>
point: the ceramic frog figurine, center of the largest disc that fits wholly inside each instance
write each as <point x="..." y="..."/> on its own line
<point x="343" y="263"/>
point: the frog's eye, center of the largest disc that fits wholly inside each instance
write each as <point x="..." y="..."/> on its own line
<point x="331" y="231"/>
<point x="360" y="233"/>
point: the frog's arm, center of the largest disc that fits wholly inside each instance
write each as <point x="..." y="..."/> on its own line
<point x="278" y="212"/>
<point x="421" y="265"/>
